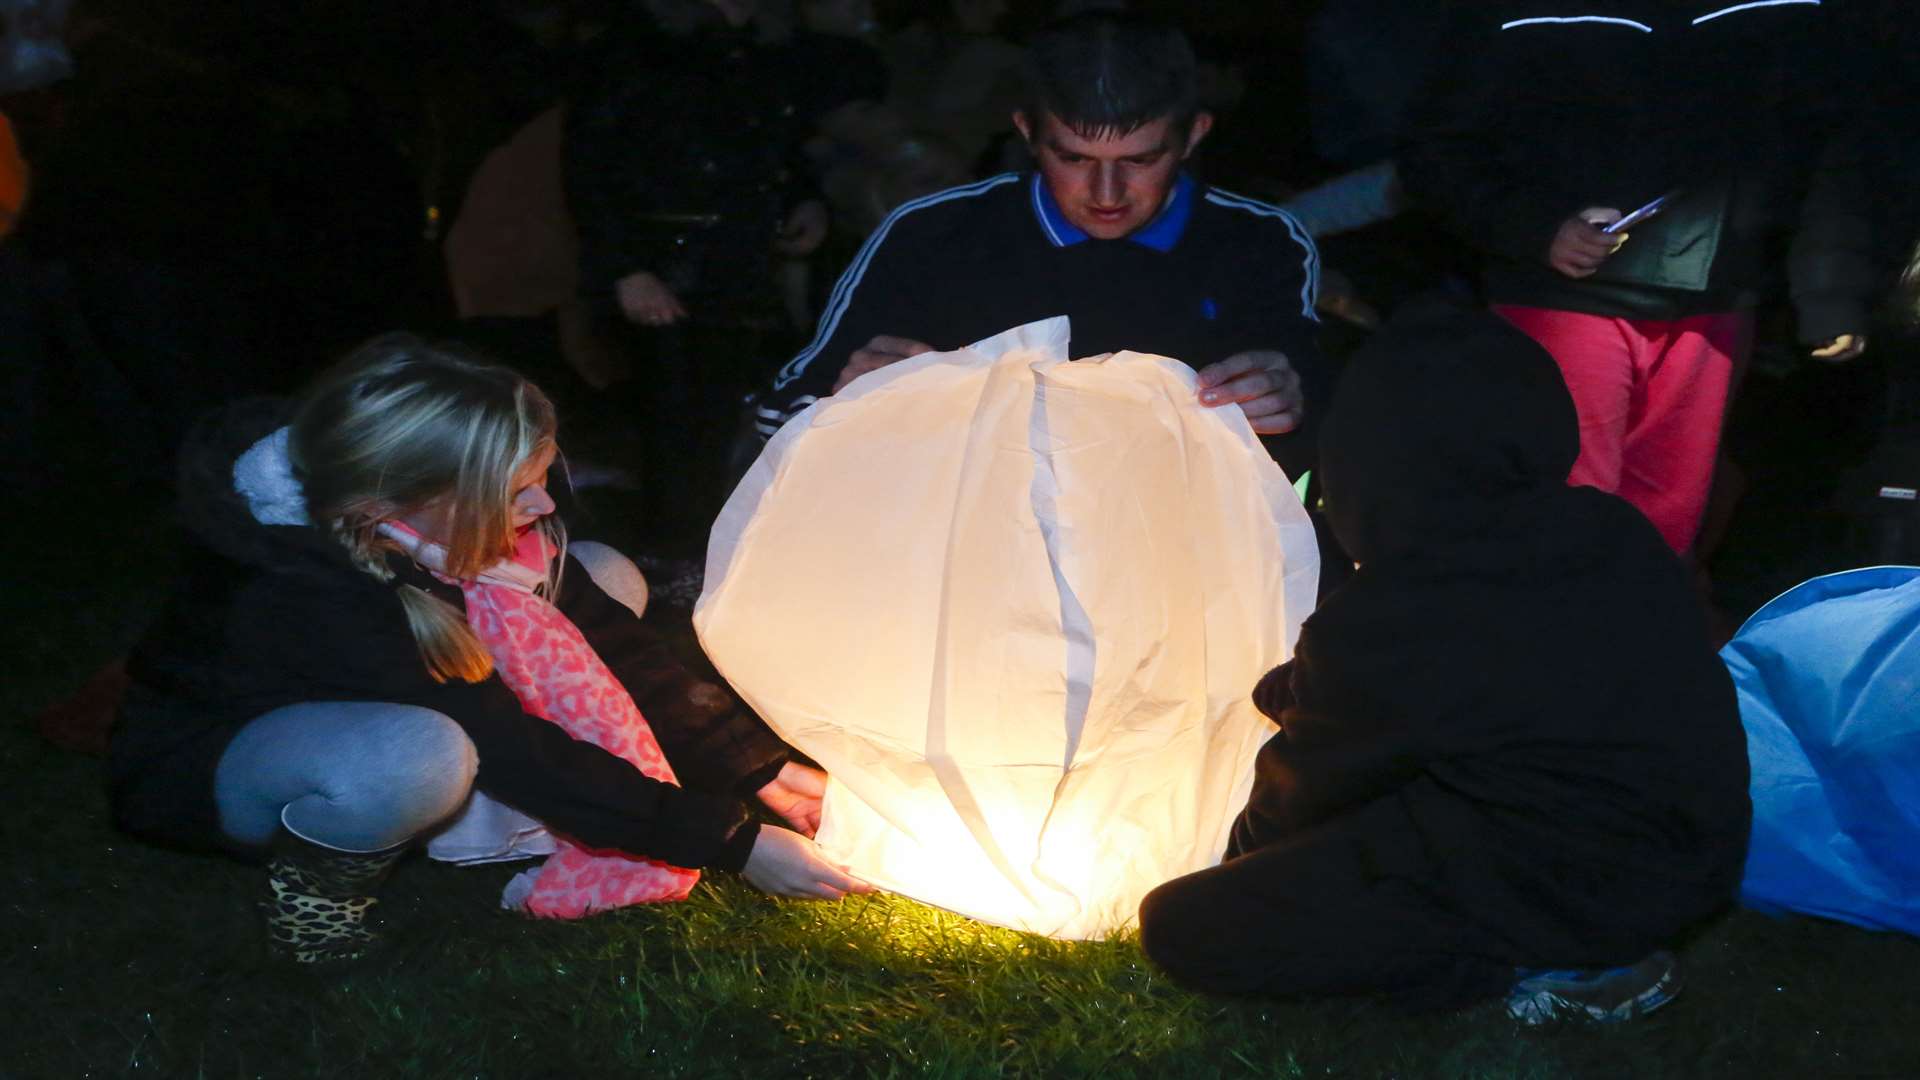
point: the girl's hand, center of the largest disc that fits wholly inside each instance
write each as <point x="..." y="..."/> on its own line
<point x="795" y="795"/>
<point x="785" y="863"/>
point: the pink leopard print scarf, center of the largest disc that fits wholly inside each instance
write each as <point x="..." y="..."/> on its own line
<point x="549" y="666"/>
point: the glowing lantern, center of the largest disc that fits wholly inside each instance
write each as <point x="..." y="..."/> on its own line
<point x="1015" y="606"/>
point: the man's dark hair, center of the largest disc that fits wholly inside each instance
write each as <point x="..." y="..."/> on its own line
<point x="1106" y="74"/>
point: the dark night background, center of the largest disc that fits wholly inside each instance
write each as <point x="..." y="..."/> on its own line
<point x="233" y="191"/>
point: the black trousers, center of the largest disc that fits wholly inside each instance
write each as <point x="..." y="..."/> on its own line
<point x="1340" y="908"/>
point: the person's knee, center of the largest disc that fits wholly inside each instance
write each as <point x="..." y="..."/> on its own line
<point x="437" y="762"/>
<point x="614" y="573"/>
<point x="1207" y="933"/>
<point x="399" y="773"/>
<point x="1173" y="933"/>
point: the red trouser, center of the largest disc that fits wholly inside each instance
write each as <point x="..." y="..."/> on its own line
<point x="1651" y="395"/>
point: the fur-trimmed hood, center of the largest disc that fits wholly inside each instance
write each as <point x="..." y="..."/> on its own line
<point x="214" y="512"/>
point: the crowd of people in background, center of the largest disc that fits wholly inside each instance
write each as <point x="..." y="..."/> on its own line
<point x="222" y="201"/>
<point x="648" y="202"/>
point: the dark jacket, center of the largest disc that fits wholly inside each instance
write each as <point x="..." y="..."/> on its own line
<point x="1214" y="275"/>
<point x="267" y="616"/>
<point x="1366" y="62"/>
<point x="682" y="158"/>
<point x="1749" y="115"/>
<point x="1518" y="667"/>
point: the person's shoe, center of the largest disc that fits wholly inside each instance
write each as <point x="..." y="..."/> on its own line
<point x="1605" y="995"/>
<point x="319" y="901"/>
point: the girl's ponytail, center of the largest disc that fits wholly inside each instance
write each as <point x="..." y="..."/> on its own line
<point x="448" y="646"/>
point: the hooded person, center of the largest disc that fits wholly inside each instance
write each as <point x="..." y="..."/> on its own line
<point x="1509" y="761"/>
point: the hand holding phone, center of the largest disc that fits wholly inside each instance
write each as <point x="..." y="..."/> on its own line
<point x="1638" y="216"/>
<point x="1587" y="239"/>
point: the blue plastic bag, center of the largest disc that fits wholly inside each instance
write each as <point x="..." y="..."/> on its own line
<point x="1829" y="682"/>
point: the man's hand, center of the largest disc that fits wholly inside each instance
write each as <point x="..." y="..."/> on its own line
<point x="1842" y="349"/>
<point x="785" y="863"/>
<point x="795" y="795"/>
<point x="882" y="350"/>
<point x="645" y="299"/>
<point x="803" y="231"/>
<point x="1262" y="383"/>
<point x="1580" y="247"/>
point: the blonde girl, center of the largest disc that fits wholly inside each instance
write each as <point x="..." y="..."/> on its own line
<point x="380" y="614"/>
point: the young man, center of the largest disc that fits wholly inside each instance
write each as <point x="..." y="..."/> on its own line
<point x="1108" y="230"/>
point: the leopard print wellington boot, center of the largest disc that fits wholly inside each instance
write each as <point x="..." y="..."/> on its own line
<point x="318" y="900"/>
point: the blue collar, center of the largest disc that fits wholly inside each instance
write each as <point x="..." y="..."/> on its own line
<point x="1160" y="234"/>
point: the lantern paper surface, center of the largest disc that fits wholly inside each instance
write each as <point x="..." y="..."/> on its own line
<point x="1015" y="607"/>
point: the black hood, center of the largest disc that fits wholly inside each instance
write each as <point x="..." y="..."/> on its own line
<point x="1445" y="425"/>
<point x="216" y="515"/>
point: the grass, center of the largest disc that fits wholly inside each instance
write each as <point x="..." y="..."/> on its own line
<point x="129" y="960"/>
<point x="126" y="960"/>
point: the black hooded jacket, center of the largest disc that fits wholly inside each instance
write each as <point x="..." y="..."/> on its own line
<point x="272" y="615"/>
<point x="1519" y="666"/>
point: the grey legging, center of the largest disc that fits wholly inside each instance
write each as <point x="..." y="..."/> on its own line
<point x="365" y="776"/>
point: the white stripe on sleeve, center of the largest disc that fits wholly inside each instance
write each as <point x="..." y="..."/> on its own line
<point x="850" y="280"/>
<point x="1712" y="15"/>
<point x="1562" y="20"/>
<point x="1310" y="262"/>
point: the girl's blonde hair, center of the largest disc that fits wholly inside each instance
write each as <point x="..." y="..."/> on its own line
<point x="400" y="424"/>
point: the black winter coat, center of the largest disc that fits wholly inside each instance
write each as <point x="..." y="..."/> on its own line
<point x="1751" y="115"/>
<point x="267" y="616"/>
<point x="1518" y="667"/>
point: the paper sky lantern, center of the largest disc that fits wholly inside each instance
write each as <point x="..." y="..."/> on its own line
<point x="1015" y="607"/>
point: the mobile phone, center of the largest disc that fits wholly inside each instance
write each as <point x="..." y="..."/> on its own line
<point x="1637" y="216"/>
